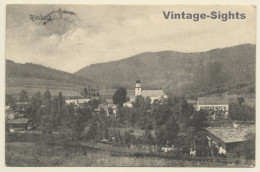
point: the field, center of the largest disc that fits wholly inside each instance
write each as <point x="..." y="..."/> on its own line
<point x="48" y="150"/>
<point x="15" y="85"/>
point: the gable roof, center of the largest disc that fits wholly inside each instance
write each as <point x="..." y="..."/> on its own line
<point x="190" y="101"/>
<point x="152" y="93"/>
<point x="212" y="101"/>
<point x="231" y="134"/>
<point x="18" y="121"/>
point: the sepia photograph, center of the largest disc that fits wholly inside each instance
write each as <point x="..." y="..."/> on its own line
<point x="130" y="85"/>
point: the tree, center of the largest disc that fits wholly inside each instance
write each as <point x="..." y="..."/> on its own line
<point x="147" y="105"/>
<point x="139" y="102"/>
<point x="60" y="100"/>
<point x="9" y="100"/>
<point x="94" y="104"/>
<point x="46" y="95"/>
<point x="249" y="146"/>
<point x="148" y="138"/>
<point x="161" y="113"/>
<point x="198" y="120"/>
<point x="110" y="111"/>
<point x="171" y="130"/>
<point x="201" y="145"/>
<point x="23" y="97"/>
<point x="167" y="133"/>
<point x="120" y="96"/>
<point x="85" y="92"/>
<point x="241" y="112"/>
<point x="35" y="107"/>
<point x="240" y="100"/>
<point x="74" y="121"/>
<point x="185" y="111"/>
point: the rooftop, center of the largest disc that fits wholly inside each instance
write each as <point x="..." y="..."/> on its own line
<point x="152" y="93"/>
<point x="18" y="121"/>
<point x="190" y="101"/>
<point x="212" y="101"/>
<point x="231" y="134"/>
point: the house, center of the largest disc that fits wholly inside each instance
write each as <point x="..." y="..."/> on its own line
<point x="77" y="102"/>
<point x="109" y="101"/>
<point x="106" y="108"/>
<point x="216" y="107"/>
<point x="19" y="124"/>
<point x="19" y="121"/>
<point x="21" y="105"/>
<point x="128" y="104"/>
<point x="226" y="138"/>
<point x="168" y="148"/>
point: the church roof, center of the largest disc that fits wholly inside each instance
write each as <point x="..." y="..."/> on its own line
<point x="152" y="93"/>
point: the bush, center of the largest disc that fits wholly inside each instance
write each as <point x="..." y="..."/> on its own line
<point x="247" y="148"/>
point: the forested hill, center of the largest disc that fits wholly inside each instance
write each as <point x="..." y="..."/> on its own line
<point x="33" y="77"/>
<point x="217" y="70"/>
<point x="29" y="70"/>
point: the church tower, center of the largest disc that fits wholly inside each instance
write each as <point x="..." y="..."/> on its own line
<point x="138" y="89"/>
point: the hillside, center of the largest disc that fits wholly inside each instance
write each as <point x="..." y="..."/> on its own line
<point x="33" y="78"/>
<point x="220" y="70"/>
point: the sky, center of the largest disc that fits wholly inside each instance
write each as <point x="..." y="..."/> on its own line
<point x="102" y="33"/>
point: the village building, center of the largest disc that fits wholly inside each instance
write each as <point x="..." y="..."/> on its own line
<point x="109" y="101"/>
<point x="19" y="124"/>
<point x="21" y="105"/>
<point x="128" y="104"/>
<point x="76" y="102"/>
<point x="18" y="121"/>
<point x="153" y="94"/>
<point x="226" y="138"/>
<point x="106" y="108"/>
<point x="216" y="107"/>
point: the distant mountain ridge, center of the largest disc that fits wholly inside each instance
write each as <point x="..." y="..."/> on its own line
<point x="225" y="68"/>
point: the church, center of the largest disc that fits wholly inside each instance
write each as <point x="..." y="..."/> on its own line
<point x="153" y="94"/>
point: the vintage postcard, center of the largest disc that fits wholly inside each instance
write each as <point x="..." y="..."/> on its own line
<point x="130" y="85"/>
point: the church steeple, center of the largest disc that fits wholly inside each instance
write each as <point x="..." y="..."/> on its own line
<point x="138" y="88"/>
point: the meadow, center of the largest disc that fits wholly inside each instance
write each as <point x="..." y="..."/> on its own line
<point x="37" y="150"/>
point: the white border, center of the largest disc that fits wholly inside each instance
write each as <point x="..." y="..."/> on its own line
<point x="3" y="4"/>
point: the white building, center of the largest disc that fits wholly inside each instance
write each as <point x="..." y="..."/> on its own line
<point x="128" y="104"/>
<point x="216" y="106"/>
<point x="153" y="94"/>
<point x="77" y="102"/>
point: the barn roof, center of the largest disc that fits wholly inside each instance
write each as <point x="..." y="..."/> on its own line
<point x="212" y="101"/>
<point x="231" y="134"/>
<point x="18" y="121"/>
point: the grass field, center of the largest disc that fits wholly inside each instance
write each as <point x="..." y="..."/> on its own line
<point x="31" y="85"/>
<point x="49" y="150"/>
